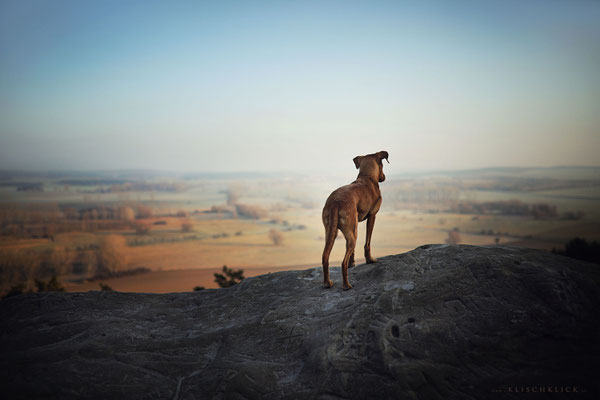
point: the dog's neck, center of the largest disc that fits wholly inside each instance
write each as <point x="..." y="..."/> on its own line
<point x="362" y="177"/>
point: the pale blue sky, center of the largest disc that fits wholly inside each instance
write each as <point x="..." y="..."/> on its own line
<point x="298" y="85"/>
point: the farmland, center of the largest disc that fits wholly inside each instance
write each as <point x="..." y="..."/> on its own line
<point x="182" y="228"/>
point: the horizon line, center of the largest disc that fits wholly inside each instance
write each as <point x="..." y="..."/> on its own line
<point x="157" y="171"/>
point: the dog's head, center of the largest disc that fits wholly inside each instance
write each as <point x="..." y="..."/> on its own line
<point x="371" y="165"/>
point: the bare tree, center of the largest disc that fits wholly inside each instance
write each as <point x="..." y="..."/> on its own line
<point x="187" y="226"/>
<point x="141" y="228"/>
<point x="453" y="236"/>
<point x="126" y="214"/>
<point x="143" y="211"/>
<point x="18" y="267"/>
<point x="276" y="237"/>
<point x="57" y="261"/>
<point x="250" y="211"/>
<point x="233" y="194"/>
<point x="111" y="256"/>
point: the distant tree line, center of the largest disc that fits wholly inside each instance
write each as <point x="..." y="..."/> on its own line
<point x="139" y="187"/>
<point x="44" y="221"/>
<point x="240" y="210"/>
<point x="511" y="207"/>
<point x="24" y="268"/>
<point x="24" y="186"/>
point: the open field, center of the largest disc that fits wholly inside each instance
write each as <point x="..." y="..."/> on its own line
<point x="182" y="280"/>
<point x="183" y="229"/>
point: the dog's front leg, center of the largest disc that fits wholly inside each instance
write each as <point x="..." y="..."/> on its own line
<point x="370" y="225"/>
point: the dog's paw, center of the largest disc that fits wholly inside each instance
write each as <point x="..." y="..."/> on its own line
<point x="329" y="284"/>
<point x="347" y="286"/>
<point x="371" y="260"/>
<point x="352" y="265"/>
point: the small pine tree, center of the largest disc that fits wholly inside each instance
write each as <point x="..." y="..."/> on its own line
<point x="105" y="288"/>
<point x="40" y="285"/>
<point x="229" y="277"/>
<point x="52" y="285"/>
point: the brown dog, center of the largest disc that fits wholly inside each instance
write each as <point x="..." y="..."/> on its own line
<point x="349" y="205"/>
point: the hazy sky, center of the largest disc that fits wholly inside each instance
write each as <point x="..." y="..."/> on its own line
<point x="298" y="85"/>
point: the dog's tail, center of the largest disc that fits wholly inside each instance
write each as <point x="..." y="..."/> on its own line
<point x="330" y="220"/>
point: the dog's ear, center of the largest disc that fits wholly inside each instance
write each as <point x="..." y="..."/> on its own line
<point x="383" y="154"/>
<point x="357" y="161"/>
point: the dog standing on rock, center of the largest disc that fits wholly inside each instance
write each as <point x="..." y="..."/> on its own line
<point x="349" y="205"/>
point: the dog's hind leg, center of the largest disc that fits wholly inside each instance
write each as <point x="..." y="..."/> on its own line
<point x="350" y="233"/>
<point x="330" y="220"/>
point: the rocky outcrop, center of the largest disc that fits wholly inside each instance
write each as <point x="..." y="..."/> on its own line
<point x="437" y="322"/>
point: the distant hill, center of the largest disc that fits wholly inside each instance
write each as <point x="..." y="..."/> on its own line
<point x="558" y="172"/>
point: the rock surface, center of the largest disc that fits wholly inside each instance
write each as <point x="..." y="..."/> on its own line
<point x="437" y="322"/>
